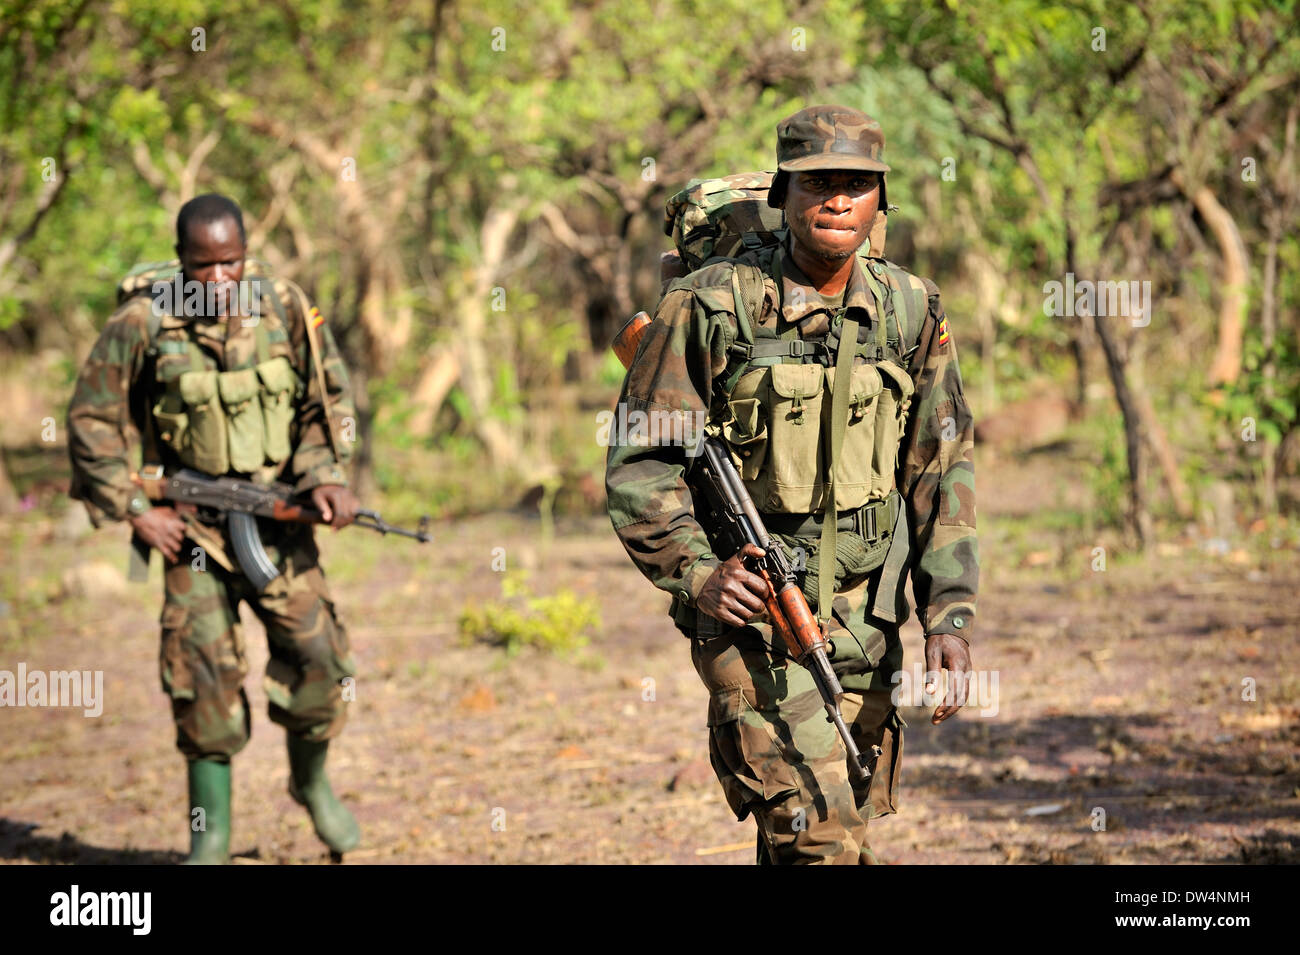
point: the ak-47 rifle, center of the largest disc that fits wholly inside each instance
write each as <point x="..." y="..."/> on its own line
<point x="734" y="521"/>
<point x="239" y="502"/>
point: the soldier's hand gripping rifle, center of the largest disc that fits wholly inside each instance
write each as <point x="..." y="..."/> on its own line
<point x="734" y="520"/>
<point x="240" y="502"/>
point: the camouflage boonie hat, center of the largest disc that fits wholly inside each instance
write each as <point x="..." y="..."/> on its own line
<point x="826" y="137"/>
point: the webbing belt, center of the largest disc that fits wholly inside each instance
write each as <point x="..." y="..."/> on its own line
<point x="808" y="350"/>
<point x="872" y="521"/>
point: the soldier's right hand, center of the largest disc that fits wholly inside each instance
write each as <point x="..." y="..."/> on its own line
<point x="162" y="528"/>
<point x="733" y="594"/>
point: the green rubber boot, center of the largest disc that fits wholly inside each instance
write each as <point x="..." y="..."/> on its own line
<point x="209" y="830"/>
<point x="309" y="787"/>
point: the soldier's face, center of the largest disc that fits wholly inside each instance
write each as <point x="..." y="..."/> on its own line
<point x="830" y="211"/>
<point x="214" y="253"/>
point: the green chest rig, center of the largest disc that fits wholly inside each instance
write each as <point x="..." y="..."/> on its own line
<point x="817" y="457"/>
<point x="220" y="422"/>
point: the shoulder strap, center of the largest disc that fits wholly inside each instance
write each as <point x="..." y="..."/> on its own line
<point x="275" y="300"/>
<point x="263" y="341"/>
<point x="747" y="290"/>
<point x="150" y="456"/>
<point x="153" y="325"/>
<point x="898" y="558"/>
<point x="316" y="360"/>
<point x="908" y="306"/>
<point x="833" y="442"/>
<point x="747" y="293"/>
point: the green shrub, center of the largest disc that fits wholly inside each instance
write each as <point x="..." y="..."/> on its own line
<point x="552" y="623"/>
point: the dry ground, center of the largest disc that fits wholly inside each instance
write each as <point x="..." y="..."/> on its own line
<point x="1118" y="689"/>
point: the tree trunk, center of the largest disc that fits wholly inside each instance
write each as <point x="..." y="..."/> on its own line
<point x="1235" y="275"/>
<point x="440" y="373"/>
<point x="1279" y="213"/>
<point x="1081" y="333"/>
<point x="1158" y="441"/>
<point x="1268" y="321"/>
<point x="1139" y="516"/>
<point x="472" y="348"/>
<point x="1079" y="352"/>
<point x="8" y="496"/>
<point x="363" y="458"/>
<point x="385" y="319"/>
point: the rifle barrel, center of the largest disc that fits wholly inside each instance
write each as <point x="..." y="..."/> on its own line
<point x="372" y="521"/>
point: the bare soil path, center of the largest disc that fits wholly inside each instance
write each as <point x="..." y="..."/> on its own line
<point x="1124" y="696"/>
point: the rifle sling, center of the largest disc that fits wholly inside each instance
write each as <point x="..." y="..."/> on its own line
<point x="317" y="363"/>
<point x="885" y="604"/>
<point x="138" y="560"/>
<point x="839" y="411"/>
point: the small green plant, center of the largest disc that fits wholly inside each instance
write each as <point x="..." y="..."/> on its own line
<point x="552" y="623"/>
<point x="1271" y="407"/>
<point x="421" y="669"/>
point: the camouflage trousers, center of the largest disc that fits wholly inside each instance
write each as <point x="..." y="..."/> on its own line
<point x="778" y="757"/>
<point x="203" y="660"/>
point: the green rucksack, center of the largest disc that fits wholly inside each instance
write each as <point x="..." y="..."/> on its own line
<point x="140" y="281"/>
<point x="729" y="216"/>
<point x="142" y="276"/>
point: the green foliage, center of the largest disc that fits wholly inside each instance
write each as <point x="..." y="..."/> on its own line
<point x="1271" y="404"/>
<point x="611" y="371"/>
<point x="1105" y="463"/>
<point x="456" y="486"/>
<point x="447" y="127"/>
<point x="553" y="623"/>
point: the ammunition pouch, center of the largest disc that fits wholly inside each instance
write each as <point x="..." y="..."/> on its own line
<point x="221" y="421"/>
<point x="775" y="398"/>
<point x="279" y="387"/>
<point x="203" y="444"/>
<point x="243" y="419"/>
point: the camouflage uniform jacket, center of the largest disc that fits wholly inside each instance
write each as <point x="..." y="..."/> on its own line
<point x="683" y="353"/>
<point x="119" y="386"/>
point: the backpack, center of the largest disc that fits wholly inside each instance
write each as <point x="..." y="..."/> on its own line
<point x="140" y="281"/>
<point x="729" y="217"/>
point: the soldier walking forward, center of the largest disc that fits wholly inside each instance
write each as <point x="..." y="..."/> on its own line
<point x="202" y="383"/>
<point x="832" y="377"/>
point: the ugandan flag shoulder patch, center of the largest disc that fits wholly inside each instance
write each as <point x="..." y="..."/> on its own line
<point x="943" y="331"/>
<point x="315" y="317"/>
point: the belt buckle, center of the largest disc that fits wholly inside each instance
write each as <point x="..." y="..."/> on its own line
<point x="865" y="524"/>
<point x="798" y="348"/>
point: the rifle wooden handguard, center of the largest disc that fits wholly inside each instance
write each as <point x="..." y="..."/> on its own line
<point x="792" y="618"/>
